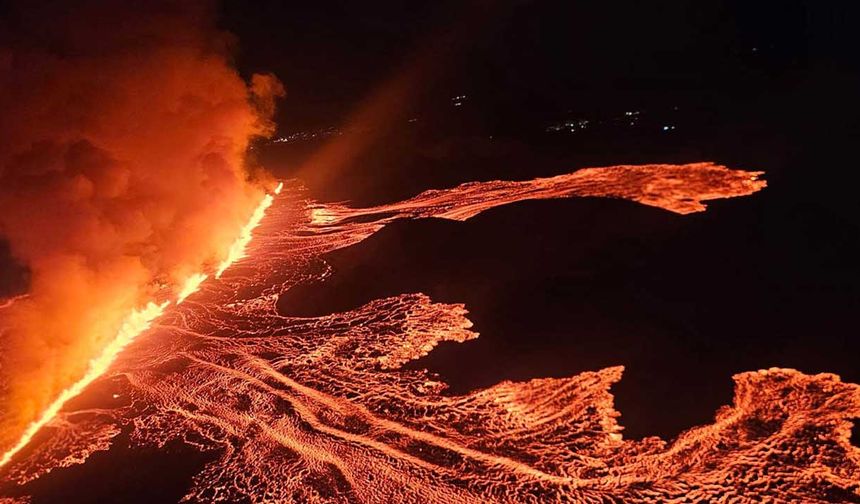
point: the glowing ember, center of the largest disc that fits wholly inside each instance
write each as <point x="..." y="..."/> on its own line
<point x="318" y="409"/>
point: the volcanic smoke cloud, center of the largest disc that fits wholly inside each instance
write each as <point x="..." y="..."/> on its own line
<point x="122" y="173"/>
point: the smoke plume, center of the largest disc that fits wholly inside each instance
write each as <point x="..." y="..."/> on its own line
<point x="123" y="171"/>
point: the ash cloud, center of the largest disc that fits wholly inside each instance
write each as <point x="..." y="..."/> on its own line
<point x="123" y="170"/>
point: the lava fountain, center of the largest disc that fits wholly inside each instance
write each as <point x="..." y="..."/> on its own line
<point x="133" y="325"/>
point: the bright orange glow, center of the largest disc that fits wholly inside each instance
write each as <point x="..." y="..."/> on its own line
<point x="125" y="178"/>
<point x="132" y="326"/>
<point x="136" y="322"/>
<point x="237" y="250"/>
<point x="6" y="303"/>
<point x="191" y="285"/>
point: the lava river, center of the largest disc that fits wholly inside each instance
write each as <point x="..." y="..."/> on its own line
<point x="318" y="409"/>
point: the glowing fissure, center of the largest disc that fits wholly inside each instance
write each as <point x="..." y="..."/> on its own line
<point x="133" y="325"/>
<point x="237" y="250"/>
<point x="320" y="409"/>
<point x="190" y="286"/>
<point x="136" y="322"/>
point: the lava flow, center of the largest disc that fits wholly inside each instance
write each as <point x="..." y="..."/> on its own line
<point x="319" y="409"/>
<point x="134" y="324"/>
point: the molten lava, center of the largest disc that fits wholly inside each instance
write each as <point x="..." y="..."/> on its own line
<point x="237" y="250"/>
<point x="136" y="323"/>
<point x="190" y="286"/>
<point x="319" y="409"/>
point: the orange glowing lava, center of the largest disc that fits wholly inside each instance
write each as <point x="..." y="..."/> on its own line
<point x="320" y="409"/>
<point x="237" y="250"/>
<point x="134" y="324"/>
<point x="191" y="285"/>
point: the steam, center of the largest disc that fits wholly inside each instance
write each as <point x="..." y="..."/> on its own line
<point x="123" y="173"/>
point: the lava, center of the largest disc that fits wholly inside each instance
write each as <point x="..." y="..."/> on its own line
<point x="237" y="250"/>
<point x="134" y="324"/>
<point x="137" y="322"/>
<point x="191" y="285"/>
<point x="319" y="409"/>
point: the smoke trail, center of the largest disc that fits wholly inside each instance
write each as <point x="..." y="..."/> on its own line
<point x="123" y="173"/>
